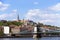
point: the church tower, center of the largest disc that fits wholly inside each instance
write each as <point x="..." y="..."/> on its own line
<point x="18" y="17"/>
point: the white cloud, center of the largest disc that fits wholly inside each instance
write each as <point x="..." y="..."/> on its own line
<point x="55" y="7"/>
<point x="49" y="16"/>
<point x="38" y="12"/>
<point x="42" y="16"/>
<point x="14" y="11"/>
<point x="8" y="16"/>
<point x="32" y="12"/>
<point x="3" y="6"/>
<point x="2" y="16"/>
<point x="36" y="3"/>
<point x="14" y="19"/>
<point x="46" y="21"/>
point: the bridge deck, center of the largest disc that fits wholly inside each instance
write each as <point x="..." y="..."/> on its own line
<point x="38" y="33"/>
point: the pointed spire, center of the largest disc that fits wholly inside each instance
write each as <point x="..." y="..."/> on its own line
<point x="18" y="17"/>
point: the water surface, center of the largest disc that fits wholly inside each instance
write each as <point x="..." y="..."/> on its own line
<point x="43" y="38"/>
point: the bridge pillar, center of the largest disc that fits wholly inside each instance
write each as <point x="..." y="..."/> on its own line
<point x="36" y="30"/>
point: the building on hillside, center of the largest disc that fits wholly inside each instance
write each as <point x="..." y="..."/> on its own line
<point x="44" y="29"/>
<point x="26" y="29"/>
<point x="24" y="22"/>
<point x="15" y="30"/>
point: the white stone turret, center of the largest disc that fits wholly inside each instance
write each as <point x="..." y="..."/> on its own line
<point x="35" y="29"/>
<point x="35" y="32"/>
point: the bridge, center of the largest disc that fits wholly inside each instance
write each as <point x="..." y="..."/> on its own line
<point x="37" y="32"/>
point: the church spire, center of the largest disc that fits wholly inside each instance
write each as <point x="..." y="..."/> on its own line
<point x="18" y="17"/>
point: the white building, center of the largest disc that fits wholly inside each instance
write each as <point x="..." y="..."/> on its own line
<point x="6" y="29"/>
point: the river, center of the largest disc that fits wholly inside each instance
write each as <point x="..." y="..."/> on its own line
<point x="43" y="38"/>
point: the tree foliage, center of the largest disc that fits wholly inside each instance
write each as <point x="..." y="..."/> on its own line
<point x="17" y="23"/>
<point x="10" y="23"/>
<point x="40" y="24"/>
<point x="1" y="33"/>
<point x="1" y="23"/>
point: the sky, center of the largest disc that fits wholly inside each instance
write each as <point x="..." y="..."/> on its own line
<point x="43" y="11"/>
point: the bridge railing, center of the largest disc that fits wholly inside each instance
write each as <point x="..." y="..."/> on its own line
<point x="37" y="32"/>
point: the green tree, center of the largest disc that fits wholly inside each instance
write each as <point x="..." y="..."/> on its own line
<point x="9" y="23"/>
<point x="1" y="23"/>
<point x="40" y="24"/>
<point x="1" y="33"/>
<point x="17" y="23"/>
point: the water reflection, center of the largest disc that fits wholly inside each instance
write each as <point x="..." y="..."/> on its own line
<point x="43" y="38"/>
<point x="4" y="39"/>
<point x="16" y="39"/>
<point x="36" y="38"/>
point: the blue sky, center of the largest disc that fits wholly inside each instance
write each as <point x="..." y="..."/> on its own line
<point x="44" y="11"/>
